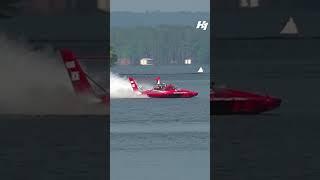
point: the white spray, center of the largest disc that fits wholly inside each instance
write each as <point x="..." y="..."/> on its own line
<point x="120" y="87"/>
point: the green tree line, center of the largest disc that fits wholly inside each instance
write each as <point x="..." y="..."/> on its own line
<point x="113" y="56"/>
<point x="165" y="44"/>
<point x="9" y="8"/>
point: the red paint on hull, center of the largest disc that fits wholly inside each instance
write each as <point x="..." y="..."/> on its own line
<point x="168" y="91"/>
<point x="105" y="100"/>
<point x="229" y="101"/>
<point x="171" y="94"/>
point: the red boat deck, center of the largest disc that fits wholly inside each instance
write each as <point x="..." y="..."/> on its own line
<point x="229" y="101"/>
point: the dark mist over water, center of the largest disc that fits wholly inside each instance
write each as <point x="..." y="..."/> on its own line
<point x="281" y="144"/>
<point x="53" y="147"/>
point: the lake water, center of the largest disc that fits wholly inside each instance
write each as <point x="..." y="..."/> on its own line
<point x="156" y="139"/>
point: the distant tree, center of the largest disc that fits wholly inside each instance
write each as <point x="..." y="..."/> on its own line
<point x="9" y="8"/>
<point x="113" y="57"/>
<point x="165" y="44"/>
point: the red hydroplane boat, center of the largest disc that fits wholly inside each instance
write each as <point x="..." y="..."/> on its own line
<point x="162" y="90"/>
<point x="230" y="101"/>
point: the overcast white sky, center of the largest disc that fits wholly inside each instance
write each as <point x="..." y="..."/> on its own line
<point x="162" y="5"/>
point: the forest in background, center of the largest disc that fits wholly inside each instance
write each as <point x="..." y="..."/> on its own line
<point x="9" y="8"/>
<point x="155" y="18"/>
<point x="165" y="44"/>
<point x="166" y="37"/>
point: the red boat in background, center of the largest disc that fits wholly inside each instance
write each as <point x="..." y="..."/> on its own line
<point x="229" y="101"/>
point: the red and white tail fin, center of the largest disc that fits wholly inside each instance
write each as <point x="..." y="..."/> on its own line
<point x="134" y="85"/>
<point x="78" y="77"/>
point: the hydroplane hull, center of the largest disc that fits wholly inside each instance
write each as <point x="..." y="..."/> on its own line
<point x="166" y="91"/>
<point x="229" y="101"/>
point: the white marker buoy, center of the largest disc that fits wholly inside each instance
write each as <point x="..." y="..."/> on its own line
<point x="200" y="70"/>
<point x="290" y="27"/>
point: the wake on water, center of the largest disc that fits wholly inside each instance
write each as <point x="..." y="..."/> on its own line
<point x="36" y="82"/>
<point x="120" y="87"/>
